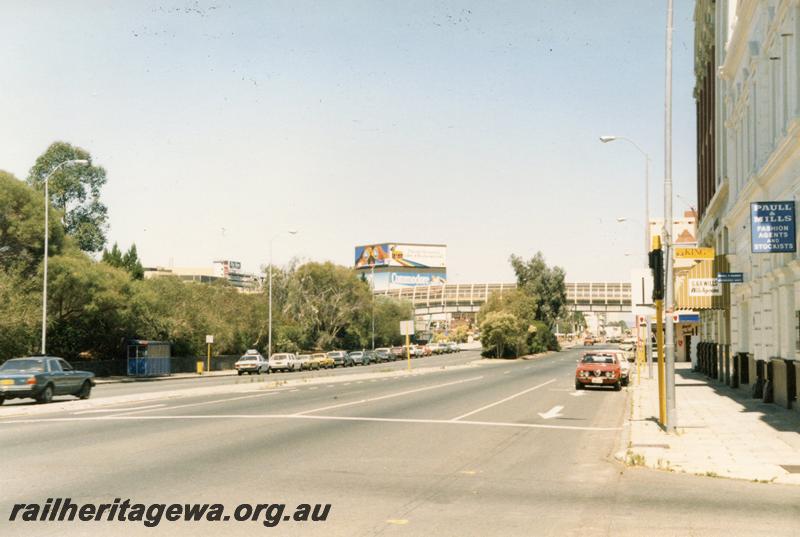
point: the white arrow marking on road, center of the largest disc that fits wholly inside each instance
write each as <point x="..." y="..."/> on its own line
<point x="552" y="413"/>
<point x="577" y="394"/>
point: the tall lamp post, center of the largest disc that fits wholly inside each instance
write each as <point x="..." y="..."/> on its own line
<point x="269" y="336"/>
<point x="66" y="163"/>
<point x="605" y="140"/>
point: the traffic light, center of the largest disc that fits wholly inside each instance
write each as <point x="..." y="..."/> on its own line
<point x="656" y="262"/>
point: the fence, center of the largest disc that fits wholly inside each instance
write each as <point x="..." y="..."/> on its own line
<point x="178" y="364"/>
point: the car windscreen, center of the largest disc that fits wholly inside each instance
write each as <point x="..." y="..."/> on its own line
<point x="594" y="359"/>
<point x="280" y="356"/>
<point x="23" y="365"/>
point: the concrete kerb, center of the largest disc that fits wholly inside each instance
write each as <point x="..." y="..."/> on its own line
<point x="715" y="437"/>
<point x="250" y="385"/>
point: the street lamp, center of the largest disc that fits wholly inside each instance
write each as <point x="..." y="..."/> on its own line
<point x="605" y="140"/>
<point x="269" y="337"/>
<point x="66" y="163"/>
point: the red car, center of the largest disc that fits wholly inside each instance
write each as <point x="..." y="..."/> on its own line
<point x="596" y="369"/>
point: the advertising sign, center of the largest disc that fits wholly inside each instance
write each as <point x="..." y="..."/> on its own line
<point x="730" y="277"/>
<point x="772" y="227"/>
<point x="395" y="280"/>
<point x="704" y="287"/>
<point x="694" y="253"/>
<point x="401" y="255"/>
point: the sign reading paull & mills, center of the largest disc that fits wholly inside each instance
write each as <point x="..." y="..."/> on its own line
<point x="772" y="227"/>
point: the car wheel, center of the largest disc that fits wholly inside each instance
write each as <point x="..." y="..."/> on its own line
<point x="46" y="396"/>
<point x="240" y="373"/>
<point x="617" y="386"/>
<point x="85" y="391"/>
<point x="2" y="400"/>
<point x="578" y="385"/>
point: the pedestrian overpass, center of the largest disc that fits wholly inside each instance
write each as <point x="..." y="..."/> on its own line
<point x="462" y="298"/>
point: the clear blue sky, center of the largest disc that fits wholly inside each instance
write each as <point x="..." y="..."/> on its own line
<point x="473" y="124"/>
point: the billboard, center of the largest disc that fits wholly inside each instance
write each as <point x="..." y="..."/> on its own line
<point x="392" y="254"/>
<point x="395" y="280"/>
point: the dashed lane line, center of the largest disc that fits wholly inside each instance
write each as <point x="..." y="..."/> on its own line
<point x="501" y="401"/>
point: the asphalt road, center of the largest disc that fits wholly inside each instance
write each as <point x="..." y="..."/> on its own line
<point x="488" y="449"/>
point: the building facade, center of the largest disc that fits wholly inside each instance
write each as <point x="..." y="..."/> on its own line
<point x="747" y="93"/>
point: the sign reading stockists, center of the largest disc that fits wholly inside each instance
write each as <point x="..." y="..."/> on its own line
<point x="772" y="227"/>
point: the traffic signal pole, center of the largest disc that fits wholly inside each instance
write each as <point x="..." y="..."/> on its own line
<point x="657" y="266"/>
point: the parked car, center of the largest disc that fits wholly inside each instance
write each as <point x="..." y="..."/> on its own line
<point x="284" y="361"/>
<point x="370" y="357"/>
<point x="624" y="366"/>
<point x="357" y="357"/>
<point x="340" y="359"/>
<point x="596" y="369"/>
<point x="251" y="362"/>
<point x="305" y="361"/>
<point x="399" y="353"/>
<point x="587" y="341"/>
<point x="41" y="378"/>
<point x="325" y="361"/>
<point x="426" y="350"/>
<point x="453" y="347"/>
<point x="417" y="352"/>
<point x="384" y="354"/>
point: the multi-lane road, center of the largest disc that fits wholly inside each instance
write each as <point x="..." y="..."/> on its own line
<point x="466" y="448"/>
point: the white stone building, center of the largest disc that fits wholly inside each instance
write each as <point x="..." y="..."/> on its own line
<point x="747" y="70"/>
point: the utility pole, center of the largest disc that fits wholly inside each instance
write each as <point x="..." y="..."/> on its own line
<point x="669" y="345"/>
<point x="372" y="284"/>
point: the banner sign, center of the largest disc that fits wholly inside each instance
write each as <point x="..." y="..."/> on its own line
<point x="704" y="287"/>
<point x="401" y="255"/>
<point x="694" y="253"/>
<point x="730" y="277"/>
<point x="406" y="328"/>
<point x="772" y="227"/>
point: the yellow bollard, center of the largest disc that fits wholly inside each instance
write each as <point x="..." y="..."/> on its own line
<point x="199" y="367"/>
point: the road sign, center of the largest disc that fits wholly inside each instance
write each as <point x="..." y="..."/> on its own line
<point x="209" y="339"/>
<point x="694" y="253"/>
<point x="406" y="328"/>
<point x="772" y="227"/>
<point x="730" y="277"/>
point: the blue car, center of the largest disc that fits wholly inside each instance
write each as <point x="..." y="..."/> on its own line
<point x="41" y="378"/>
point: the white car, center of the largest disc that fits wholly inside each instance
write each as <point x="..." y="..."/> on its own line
<point x="284" y="361"/>
<point x="251" y="362"/>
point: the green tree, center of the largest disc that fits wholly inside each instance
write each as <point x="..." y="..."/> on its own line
<point x="75" y="191"/>
<point x="545" y="285"/>
<point x="22" y="226"/>
<point x="503" y="333"/>
<point x="128" y="261"/>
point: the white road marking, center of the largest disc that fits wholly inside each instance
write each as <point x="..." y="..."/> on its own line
<point x="577" y="393"/>
<point x="295" y="390"/>
<point x="552" y="413"/>
<point x="501" y="401"/>
<point x="101" y="410"/>
<point x="389" y="396"/>
<point x="506" y="372"/>
<point x="314" y="388"/>
<point x="202" y="403"/>
<point x="324" y="418"/>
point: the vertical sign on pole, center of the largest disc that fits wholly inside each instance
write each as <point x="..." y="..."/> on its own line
<point x="209" y="342"/>
<point x="407" y="329"/>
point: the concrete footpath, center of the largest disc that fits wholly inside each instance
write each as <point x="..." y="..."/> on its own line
<point x="720" y="432"/>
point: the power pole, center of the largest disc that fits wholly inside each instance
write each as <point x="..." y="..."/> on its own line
<point x="669" y="345"/>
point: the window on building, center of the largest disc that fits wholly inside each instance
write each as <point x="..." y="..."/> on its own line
<point x="797" y="330"/>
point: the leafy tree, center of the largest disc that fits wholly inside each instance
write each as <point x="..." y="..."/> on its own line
<point x="324" y="299"/>
<point x="503" y="333"/>
<point x="128" y="261"/>
<point x="543" y="284"/>
<point x="75" y="191"/>
<point x="22" y="226"/>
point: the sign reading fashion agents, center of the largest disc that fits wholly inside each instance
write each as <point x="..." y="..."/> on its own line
<point x="401" y="255"/>
<point x="773" y="227"/>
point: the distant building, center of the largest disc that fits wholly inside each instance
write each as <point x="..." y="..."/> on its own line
<point x="394" y="265"/>
<point x="225" y="270"/>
